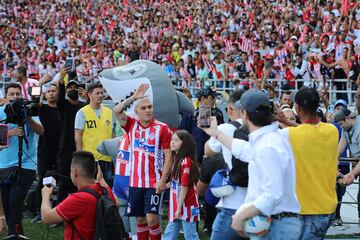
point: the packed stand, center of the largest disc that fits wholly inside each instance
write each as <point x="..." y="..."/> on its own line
<point x="237" y="44"/>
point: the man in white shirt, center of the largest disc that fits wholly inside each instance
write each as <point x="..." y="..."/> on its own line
<point x="300" y="71"/>
<point x="271" y="189"/>
<point x="228" y="204"/>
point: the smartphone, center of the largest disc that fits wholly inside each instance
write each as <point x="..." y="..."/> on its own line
<point x="69" y="64"/>
<point x="204" y="116"/>
<point x="35" y="91"/>
<point x="4" y="134"/>
<point x="82" y="85"/>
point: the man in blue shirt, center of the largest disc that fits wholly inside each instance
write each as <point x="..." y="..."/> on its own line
<point x="12" y="199"/>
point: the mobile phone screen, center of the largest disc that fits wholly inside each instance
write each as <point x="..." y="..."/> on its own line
<point x="69" y="63"/>
<point x="4" y="136"/>
<point x="82" y="85"/>
<point x="35" y="91"/>
<point x="204" y="116"/>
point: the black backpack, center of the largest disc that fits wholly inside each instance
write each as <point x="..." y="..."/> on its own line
<point x="239" y="173"/>
<point x="109" y="225"/>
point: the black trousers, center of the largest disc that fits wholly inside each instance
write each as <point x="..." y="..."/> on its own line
<point x="13" y="200"/>
<point x="46" y="168"/>
<point x="65" y="185"/>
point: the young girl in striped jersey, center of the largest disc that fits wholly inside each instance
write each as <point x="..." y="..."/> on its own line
<point x="184" y="208"/>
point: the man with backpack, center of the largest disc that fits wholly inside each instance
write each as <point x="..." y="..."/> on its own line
<point x="228" y="205"/>
<point x="91" y="212"/>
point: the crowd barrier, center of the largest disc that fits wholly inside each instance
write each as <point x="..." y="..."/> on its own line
<point x="348" y="93"/>
<point x="353" y="203"/>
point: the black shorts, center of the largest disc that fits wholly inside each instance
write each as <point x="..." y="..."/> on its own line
<point x="142" y="201"/>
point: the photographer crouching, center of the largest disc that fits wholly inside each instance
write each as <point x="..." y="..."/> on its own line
<point x="14" y="192"/>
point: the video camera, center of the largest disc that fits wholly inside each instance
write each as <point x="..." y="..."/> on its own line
<point x="18" y="110"/>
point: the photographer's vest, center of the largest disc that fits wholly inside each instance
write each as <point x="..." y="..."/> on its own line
<point x="97" y="130"/>
<point x="316" y="166"/>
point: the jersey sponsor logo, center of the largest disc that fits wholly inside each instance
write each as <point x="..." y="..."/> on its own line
<point x="195" y="211"/>
<point x="173" y="185"/>
<point x="90" y="123"/>
<point x="123" y="156"/>
<point x="142" y="146"/>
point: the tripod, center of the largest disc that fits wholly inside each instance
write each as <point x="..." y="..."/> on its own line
<point x="17" y="234"/>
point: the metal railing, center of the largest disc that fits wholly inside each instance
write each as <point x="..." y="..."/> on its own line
<point x="354" y="202"/>
<point x="222" y="86"/>
<point x="229" y="86"/>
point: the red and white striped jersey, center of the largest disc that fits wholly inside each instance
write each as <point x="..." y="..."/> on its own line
<point x="206" y="61"/>
<point x="184" y="73"/>
<point x="245" y="45"/>
<point x="190" y="210"/>
<point x="228" y="44"/>
<point x="123" y="159"/>
<point x="280" y="57"/>
<point x="147" y="151"/>
<point x="24" y="88"/>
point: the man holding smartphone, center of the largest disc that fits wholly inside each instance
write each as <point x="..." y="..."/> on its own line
<point x="68" y="104"/>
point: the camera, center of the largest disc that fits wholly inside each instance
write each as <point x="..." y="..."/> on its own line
<point x="19" y="110"/>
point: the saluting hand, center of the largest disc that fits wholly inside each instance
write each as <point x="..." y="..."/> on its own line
<point x="140" y="91"/>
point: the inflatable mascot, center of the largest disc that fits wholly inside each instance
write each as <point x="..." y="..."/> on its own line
<point x="121" y="82"/>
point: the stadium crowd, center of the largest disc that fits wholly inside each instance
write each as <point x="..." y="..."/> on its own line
<point x="226" y="40"/>
<point x="262" y="45"/>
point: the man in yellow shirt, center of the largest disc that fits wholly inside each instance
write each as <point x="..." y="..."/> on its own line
<point x="314" y="145"/>
<point x="94" y="124"/>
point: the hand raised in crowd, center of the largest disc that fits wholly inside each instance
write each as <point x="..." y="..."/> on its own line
<point x="19" y="131"/>
<point x="63" y="73"/>
<point x="347" y="179"/>
<point x="83" y="93"/>
<point x="213" y="126"/>
<point x="140" y="91"/>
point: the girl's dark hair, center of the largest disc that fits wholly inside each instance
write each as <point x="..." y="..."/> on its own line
<point x="187" y="149"/>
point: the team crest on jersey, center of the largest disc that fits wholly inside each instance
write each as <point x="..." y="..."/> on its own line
<point x="151" y="136"/>
<point x="108" y="123"/>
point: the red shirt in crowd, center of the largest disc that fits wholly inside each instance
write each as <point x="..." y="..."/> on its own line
<point x="80" y="209"/>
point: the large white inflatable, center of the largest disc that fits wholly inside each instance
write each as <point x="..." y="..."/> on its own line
<point x="121" y="82"/>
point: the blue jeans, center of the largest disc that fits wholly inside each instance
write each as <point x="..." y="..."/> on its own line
<point x="314" y="227"/>
<point x="221" y="228"/>
<point x="287" y="228"/>
<point x="173" y="228"/>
